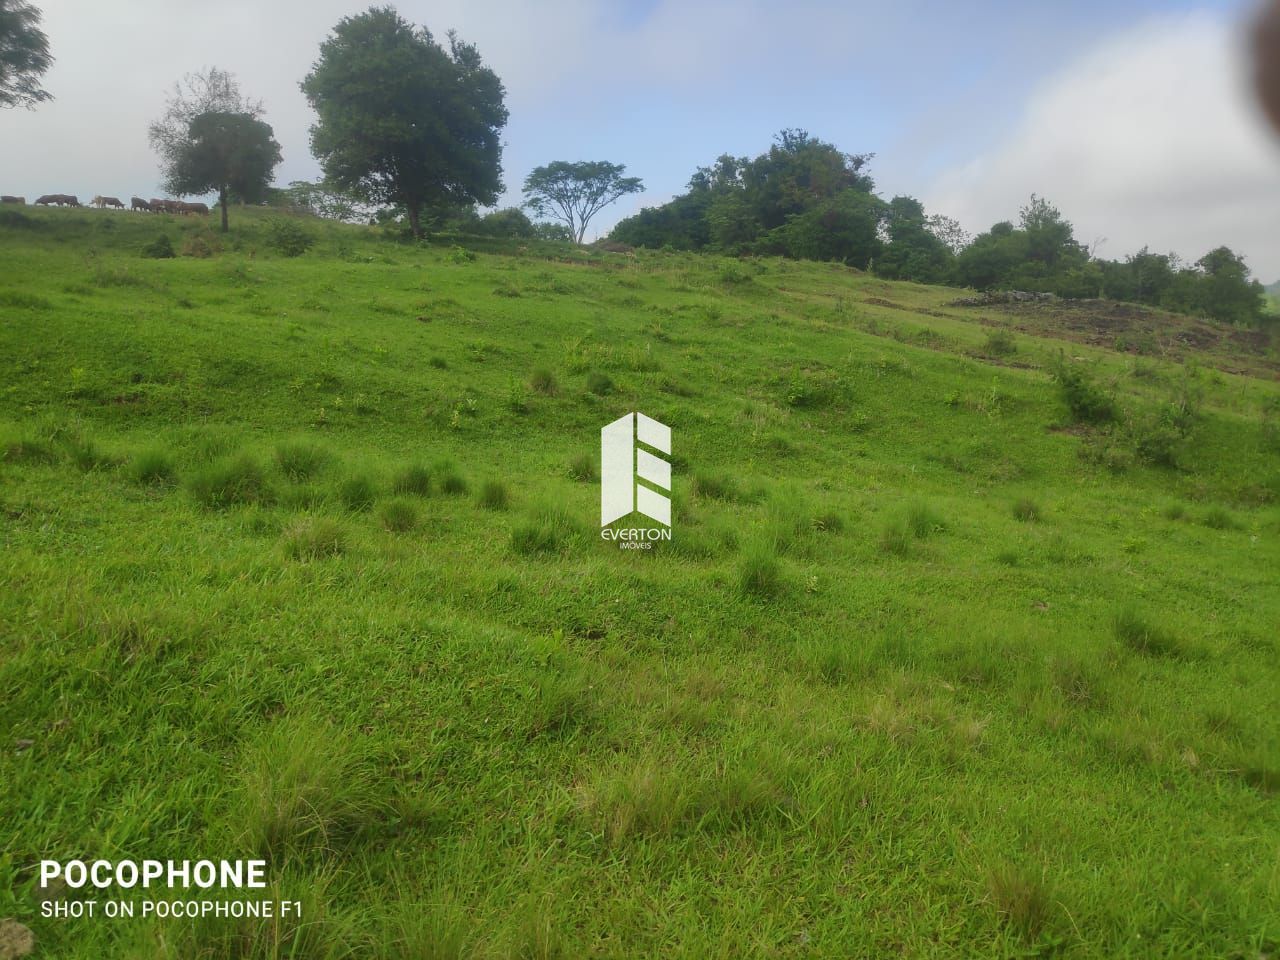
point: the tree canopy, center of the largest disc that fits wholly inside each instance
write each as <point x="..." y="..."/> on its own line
<point x="573" y="193"/>
<point x="24" y="55"/>
<point x="204" y="92"/>
<point x="231" y="153"/>
<point x="404" y="121"/>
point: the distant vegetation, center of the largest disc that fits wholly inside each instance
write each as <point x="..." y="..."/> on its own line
<point x="806" y="199"/>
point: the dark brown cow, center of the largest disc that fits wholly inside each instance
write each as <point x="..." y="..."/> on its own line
<point x="101" y="201"/>
<point x="137" y="203"/>
<point x="18" y="200"/>
<point x="201" y="208"/>
<point x="61" y="199"/>
<point x="47" y="199"/>
<point x="1266" y="53"/>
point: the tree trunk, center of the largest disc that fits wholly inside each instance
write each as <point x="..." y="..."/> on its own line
<point x="414" y="222"/>
<point x="222" y="201"/>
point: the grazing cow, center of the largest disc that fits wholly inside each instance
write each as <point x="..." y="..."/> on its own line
<point x="202" y="208"/>
<point x="68" y="200"/>
<point x="101" y="201"/>
<point x="137" y="203"/>
<point x="47" y="199"/>
<point x="21" y="201"/>
<point x="157" y="205"/>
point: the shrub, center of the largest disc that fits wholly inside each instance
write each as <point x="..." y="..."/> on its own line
<point x="517" y="399"/>
<point x="599" y="383"/>
<point x="152" y="468"/>
<point x="358" y="492"/>
<point x="759" y="574"/>
<point x="200" y="247"/>
<point x="583" y="468"/>
<point x="493" y="495"/>
<point x="1026" y="510"/>
<point x="414" y="479"/>
<point x="1085" y="400"/>
<point x="237" y="479"/>
<point x="1000" y="343"/>
<point x="543" y="381"/>
<point x="828" y="522"/>
<point x="161" y="248"/>
<point x="398" y="516"/>
<point x="310" y="538"/>
<point x="288" y="237"/>
<point x="300" y="459"/>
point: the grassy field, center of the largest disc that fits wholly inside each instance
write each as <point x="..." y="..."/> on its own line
<point x="946" y="657"/>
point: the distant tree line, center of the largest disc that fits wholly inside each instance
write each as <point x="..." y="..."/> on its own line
<point x="806" y="199"/>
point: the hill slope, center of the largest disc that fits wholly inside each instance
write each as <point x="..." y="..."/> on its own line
<point x="301" y="561"/>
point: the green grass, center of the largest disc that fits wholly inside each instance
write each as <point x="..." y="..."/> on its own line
<point x="938" y="662"/>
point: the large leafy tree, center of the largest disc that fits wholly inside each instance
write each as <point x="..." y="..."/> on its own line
<point x="231" y="153"/>
<point x="207" y="91"/>
<point x="404" y="121"/>
<point x="24" y="55"/>
<point x="573" y="193"/>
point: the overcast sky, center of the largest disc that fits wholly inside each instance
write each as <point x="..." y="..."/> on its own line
<point x="1132" y="116"/>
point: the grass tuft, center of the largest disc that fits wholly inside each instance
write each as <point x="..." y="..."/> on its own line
<point x="358" y="492"/>
<point x="301" y="460"/>
<point x="582" y="468"/>
<point x="398" y="516"/>
<point x="1141" y="636"/>
<point x="310" y="538"/>
<point x="759" y="574"/>
<point x="493" y="495"/>
<point x="543" y="381"/>
<point x="231" y="481"/>
<point x="1022" y="900"/>
<point x="414" y="479"/>
<point x="1028" y="511"/>
<point x="153" y="468"/>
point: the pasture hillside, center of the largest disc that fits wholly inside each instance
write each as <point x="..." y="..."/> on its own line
<point x="964" y="643"/>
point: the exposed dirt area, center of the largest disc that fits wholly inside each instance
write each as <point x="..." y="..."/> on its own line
<point x="1132" y="328"/>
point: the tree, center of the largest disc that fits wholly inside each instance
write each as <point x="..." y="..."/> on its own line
<point x="226" y="152"/>
<point x="573" y="193"/>
<point x="912" y="252"/>
<point x="1228" y="293"/>
<point x="404" y="121"/>
<point x="24" y="55"/>
<point x="207" y="91"/>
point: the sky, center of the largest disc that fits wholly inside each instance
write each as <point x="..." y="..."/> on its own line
<point x="1132" y="116"/>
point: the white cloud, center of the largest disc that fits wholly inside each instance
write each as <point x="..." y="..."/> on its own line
<point x="1151" y="138"/>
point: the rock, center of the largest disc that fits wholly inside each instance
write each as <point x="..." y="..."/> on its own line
<point x="16" y="940"/>
<point x="1004" y="296"/>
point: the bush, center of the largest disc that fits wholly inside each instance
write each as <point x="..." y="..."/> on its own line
<point x="310" y="538"/>
<point x="493" y="495"/>
<point x="233" y="480"/>
<point x="358" y="492"/>
<point x="414" y="479"/>
<point x="300" y="459"/>
<point x="1085" y="400"/>
<point x="288" y="237"/>
<point x="398" y="516"/>
<point x="599" y="383"/>
<point x="161" y="248"/>
<point x="1000" y="343"/>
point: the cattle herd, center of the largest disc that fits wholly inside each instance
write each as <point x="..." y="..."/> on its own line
<point x="135" y="203"/>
